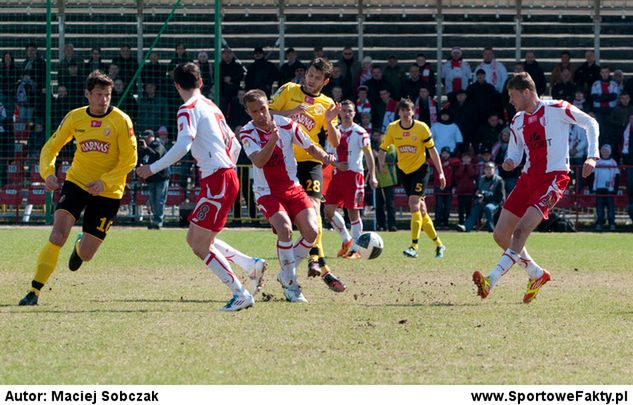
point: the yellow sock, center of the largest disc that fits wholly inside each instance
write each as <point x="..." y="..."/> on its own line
<point x="416" y="225"/>
<point x="429" y="230"/>
<point x="46" y="263"/>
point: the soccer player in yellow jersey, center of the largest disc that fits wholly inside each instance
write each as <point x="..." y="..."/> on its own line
<point x="106" y="153"/>
<point x="317" y="114"/>
<point x="412" y="139"/>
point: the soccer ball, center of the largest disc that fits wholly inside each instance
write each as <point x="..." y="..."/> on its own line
<point x="369" y="245"/>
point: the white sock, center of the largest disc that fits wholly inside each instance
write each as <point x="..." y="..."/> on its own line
<point x="235" y="256"/>
<point x="222" y="269"/>
<point x="508" y="258"/>
<point x="339" y="225"/>
<point x="286" y="255"/>
<point x="301" y="249"/>
<point x="357" y="229"/>
<point x="533" y="270"/>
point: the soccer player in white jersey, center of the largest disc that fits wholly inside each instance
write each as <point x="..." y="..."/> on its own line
<point x="347" y="188"/>
<point x="202" y="129"/>
<point x="268" y="142"/>
<point x="540" y="129"/>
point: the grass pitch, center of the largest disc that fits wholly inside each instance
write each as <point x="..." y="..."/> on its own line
<point x="144" y="311"/>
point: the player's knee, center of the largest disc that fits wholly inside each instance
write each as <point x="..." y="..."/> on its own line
<point x="501" y="238"/>
<point x="58" y="237"/>
<point x="285" y="232"/>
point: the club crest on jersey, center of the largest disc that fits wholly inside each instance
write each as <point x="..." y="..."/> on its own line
<point x="309" y="100"/>
<point x="94" y="145"/>
<point x="318" y="109"/>
<point x="543" y="121"/>
<point x="107" y="131"/>
<point x="414" y="138"/>
<point x="95" y="124"/>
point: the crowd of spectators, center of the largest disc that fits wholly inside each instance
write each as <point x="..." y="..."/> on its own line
<point x="469" y="126"/>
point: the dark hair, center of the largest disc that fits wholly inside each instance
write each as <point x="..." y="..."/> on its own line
<point x="405" y="104"/>
<point x="187" y="76"/>
<point x="322" y="65"/>
<point x="521" y="81"/>
<point x="348" y="102"/>
<point x="565" y="53"/>
<point x="254" y="95"/>
<point x="98" y="78"/>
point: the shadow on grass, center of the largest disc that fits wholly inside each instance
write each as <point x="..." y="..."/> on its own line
<point x="148" y="300"/>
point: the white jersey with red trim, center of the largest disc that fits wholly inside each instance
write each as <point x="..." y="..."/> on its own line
<point x="214" y="145"/>
<point x="279" y="174"/>
<point x="350" y="147"/>
<point x="544" y="136"/>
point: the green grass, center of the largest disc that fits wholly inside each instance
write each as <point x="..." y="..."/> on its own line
<point x="144" y="311"/>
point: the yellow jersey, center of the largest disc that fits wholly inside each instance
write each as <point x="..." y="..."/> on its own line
<point x="106" y="149"/>
<point x="411" y="144"/>
<point x="312" y="121"/>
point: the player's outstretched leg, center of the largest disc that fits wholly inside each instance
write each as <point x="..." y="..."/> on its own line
<point x="254" y="267"/>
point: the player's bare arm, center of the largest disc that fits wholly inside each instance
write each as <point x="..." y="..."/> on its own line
<point x="381" y="161"/>
<point x="437" y="162"/>
<point x="371" y="168"/>
<point x="301" y="108"/>
<point x="320" y="154"/>
<point x="333" y="133"/>
<point x="261" y="157"/>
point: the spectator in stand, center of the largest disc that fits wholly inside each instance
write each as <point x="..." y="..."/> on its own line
<point x="444" y="197"/>
<point x="488" y="134"/>
<point x="6" y="138"/>
<point x="618" y="119"/>
<point x="25" y="99"/>
<point x="508" y="108"/>
<point x="9" y="76"/>
<point x="488" y="199"/>
<point x="150" y="150"/>
<point x="565" y="89"/>
<point x="618" y="78"/>
<point x="386" y="182"/>
<point x="484" y="97"/>
<point x="534" y="69"/>
<point x="231" y="75"/>
<point x="350" y="68"/>
<point x="36" y="139"/>
<point x="60" y="107"/>
<point x="155" y="72"/>
<point x="425" y="108"/>
<point x="463" y="112"/>
<point x="446" y="134"/>
<point x="427" y="75"/>
<point x="180" y="56"/>
<point x="74" y="84"/>
<point x="237" y="116"/>
<point x="337" y="94"/>
<point x="465" y="175"/>
<point x="391" y="106"/>
<point x="129" y="104"/>
<point x="67" y="59"/>
<point x="365" y="122"/>
<point x="588" y="73"/>
<point x="287" y="71"/>
<point x="261" y="73"/>
<point x="163" y="135"/>
<point x="412" y="83"/>
<point x="113" y="72"/>
<point x="34" y="67"/>
<point x="153" y="110"/>
<point x="498" y="155"/>
<point x="456" y="73"/>
<point x="604" y="94"/>
<point x="485" y="156"/>
<point x="318" y="52"/>
<point x="578" y="146"/>
<point x="363" y="106"/>
<point x="580" y="101"/>
<point x="300" y="74"/>
<point x="95" y="62"/>
<point x="206" y="73"/>
<point x="626" y="151"/>
<point x="605" y="185"/>
<point x="126" y="62"/>
<point x="364" y="74"/>
<point x="555" y="76"/>
<point x="376" y="84"/>
<point x="337" y="79"/>
<point x="496" y="73"/>
<point x="394" y="74"/>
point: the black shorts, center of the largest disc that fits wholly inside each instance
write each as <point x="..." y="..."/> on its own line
<point x="310" y="175"/>
<point x="415" y="182"/>
<point x="100" y="211"/>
